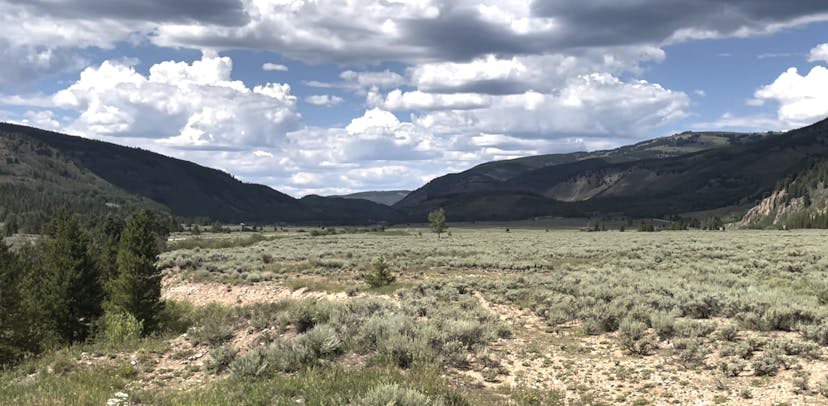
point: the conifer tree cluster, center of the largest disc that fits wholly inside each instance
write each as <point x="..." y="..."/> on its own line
<point x="57" y="291"/>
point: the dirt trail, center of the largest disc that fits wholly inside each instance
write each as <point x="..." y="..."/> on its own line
<point x="203" y="293"/>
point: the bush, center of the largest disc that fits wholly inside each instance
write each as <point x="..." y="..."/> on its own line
<point x="215" y="325"/>
<point x="121" y="328"/>
<point x="221" y="358"/>
<point x="663" y="324"/>
<point x="380" y="274"/>
<point x="404" y="351"/>
<point x="393" y="394"/>
<point x="728" y="332"/>
<point x="250" y="365"/>
<point x="633" y="339"/>
<point x="768" y="364"/>
<point x="322" y="341"/>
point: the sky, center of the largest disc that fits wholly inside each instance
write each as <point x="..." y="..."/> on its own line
<point x="338" y="96"/>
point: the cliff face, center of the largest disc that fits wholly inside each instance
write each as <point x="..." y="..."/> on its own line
<point x="772" y="207"/>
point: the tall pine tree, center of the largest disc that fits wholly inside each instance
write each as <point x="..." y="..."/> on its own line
<point x="13" y="342"/>
<point x="69" y="288"/>
<point x="136" y="288"/>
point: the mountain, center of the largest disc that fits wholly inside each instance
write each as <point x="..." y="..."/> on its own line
<point x="799" y="201"/>
<point x="386" y="197"/>
<point x="489" y="177"/>
<point x="59" y="168"/>
<point x="682" y="173"/>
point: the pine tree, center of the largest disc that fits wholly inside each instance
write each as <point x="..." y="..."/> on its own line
<point x="108" y="240"/>
<point x="69" y="291"/>
<point x="13" y="342"/>
<point x="136" y="289"/>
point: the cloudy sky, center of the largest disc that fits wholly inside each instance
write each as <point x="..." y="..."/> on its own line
<point x="334" y="96"/>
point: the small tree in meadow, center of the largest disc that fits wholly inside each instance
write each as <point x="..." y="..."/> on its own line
<point x="437" y="218"/>
<point x="380" y="274"/>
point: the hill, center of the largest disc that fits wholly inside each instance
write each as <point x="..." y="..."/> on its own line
<point x="59" y="168"/>
<point x="682" y="173"/>
<point x="799" y="201"/>
<point x="386" y="197"/>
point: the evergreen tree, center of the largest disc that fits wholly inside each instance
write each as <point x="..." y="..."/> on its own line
<point x="13" y="341"/>
<point x="136" y="288"/>
<point x="69" y="291"/>
<point x="108" y="240"/>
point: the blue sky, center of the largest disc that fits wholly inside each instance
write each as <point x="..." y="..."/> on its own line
<point x="333" y="97"/>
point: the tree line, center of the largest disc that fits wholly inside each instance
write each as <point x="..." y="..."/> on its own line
<point x="77" y="282"/>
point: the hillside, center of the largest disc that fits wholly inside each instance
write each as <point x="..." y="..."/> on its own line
<point x="672" y="175"/>
<point x="386" y="197"/>
<point x="114" y="173"/>
<point x="800" y="201"/>
<point x="36" y="180"/>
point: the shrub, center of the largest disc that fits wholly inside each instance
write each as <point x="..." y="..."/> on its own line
<point x="380" y="274"/>
<point x="728" y="332"/>
<point x="768" y="364"/>
<point x="221" y="358"/>
<point x="250" y="365"/>
<point x="394" y="394"/>
<point x="404" y="351"/>
<point x="633" y="339"/>
<point x="120" y="328"/>
<point x="215" y="325"/>
<point x="816" y="332"/>
<point x="692" y="328"/>
<point x="176" y="317"/>
<point x="663" y="324"/>
<point x="322" y="341"/>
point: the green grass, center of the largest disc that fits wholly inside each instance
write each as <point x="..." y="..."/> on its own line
<point x="317" y="386"/>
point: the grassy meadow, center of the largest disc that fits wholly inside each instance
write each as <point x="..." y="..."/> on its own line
<point x="478" y="316"/>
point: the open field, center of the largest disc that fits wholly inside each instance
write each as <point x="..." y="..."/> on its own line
<point x="481" y="316"/>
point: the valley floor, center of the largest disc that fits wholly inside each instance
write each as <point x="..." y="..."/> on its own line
<point x="481" y="316"/>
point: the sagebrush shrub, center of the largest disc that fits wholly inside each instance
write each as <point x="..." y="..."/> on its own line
<point x="394" y="394"/>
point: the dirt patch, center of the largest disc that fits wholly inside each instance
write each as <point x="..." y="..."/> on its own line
<point x="596" y="369"/>
<point x="203" y="293"/>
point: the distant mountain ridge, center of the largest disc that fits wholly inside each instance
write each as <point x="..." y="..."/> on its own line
<point x="185" y="188"/>
<point x="386" y="197"/>
<point x="682" y="173"/>
<point x="687" y="172"/>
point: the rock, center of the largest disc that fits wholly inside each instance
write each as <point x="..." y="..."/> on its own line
<point x="118" y="399"/>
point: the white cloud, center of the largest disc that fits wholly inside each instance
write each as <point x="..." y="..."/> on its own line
<point x="383" y="80"/>
<point x="185" y="104"/>
<point x="274" y="67"/>
<point x="598" y="105"/>
<point x="417" y="100"/>
<point x="819" y="53"/>
<point x="324" y="100"/>
<point x="801" y="99"/>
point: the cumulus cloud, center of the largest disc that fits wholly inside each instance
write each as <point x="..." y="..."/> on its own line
<point x="195" y="104"/>
<point x="591" y="105"/>
<point x="323" y="100"/>
<point x="801" y="99"/>
<point x="819" y="53"/>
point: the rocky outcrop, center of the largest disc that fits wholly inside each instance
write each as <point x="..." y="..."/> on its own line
<point x="772" y="206"/>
